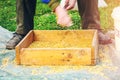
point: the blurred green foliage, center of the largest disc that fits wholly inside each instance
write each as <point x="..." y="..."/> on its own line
<point x="45" y="19"/>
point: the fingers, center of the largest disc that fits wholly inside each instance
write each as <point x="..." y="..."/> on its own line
<point x="70" y="7"/>
<point x="69" y="4"/>
<point x="66" y="3"/>
<point x="63" y="19"/>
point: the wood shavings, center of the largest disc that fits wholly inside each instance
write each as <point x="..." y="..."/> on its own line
<point x="65" y="40"/>
<point x="3" y="51"/>
<point x="62" y="44"/>
<point x="5" y="61"/>
<point x="34" y="72"/>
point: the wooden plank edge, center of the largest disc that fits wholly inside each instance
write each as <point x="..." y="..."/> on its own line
<point x="21" y="45"/>
<point x="28" y="51"/>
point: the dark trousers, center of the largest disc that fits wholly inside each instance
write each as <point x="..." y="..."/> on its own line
<point x="88" y="10"/>
<point x="26" y="9"/>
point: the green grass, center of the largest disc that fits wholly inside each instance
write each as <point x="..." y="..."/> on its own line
<point x="107" y="22"/>
<point x="8" y="14"/>
<point x="45" y="19"/>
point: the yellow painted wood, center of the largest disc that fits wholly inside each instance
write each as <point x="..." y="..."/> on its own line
<point x="27" y="40"/>
<point x="70" y="36"/>
<point x="77" y="47"/>
<point x="56" y="56"/>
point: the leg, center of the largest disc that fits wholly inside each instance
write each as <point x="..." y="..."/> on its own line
<point x="89" y="13"/>
<point x="25" y="16"/>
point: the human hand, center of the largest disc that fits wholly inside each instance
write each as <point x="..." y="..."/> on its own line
<point x="63" y="19"/>
<point x="69" y="4"/>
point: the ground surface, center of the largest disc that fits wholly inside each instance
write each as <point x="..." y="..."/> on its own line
<point x="107" y="69"/>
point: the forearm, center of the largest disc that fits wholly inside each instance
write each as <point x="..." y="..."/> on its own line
<point x="63" y="18"/>
<point x="53" y="4"/>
